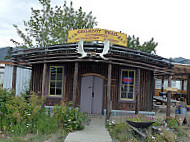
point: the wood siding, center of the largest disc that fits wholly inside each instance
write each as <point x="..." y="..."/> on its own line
<point x="101" y="70"/>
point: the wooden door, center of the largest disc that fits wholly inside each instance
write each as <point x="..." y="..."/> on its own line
<point x="92" y="94"/>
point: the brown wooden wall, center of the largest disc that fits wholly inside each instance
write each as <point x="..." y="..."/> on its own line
<point x="100" y="69"/>
<point x="36" y="79"/>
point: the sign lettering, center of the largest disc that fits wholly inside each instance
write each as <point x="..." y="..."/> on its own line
<point x="97" y="35"/>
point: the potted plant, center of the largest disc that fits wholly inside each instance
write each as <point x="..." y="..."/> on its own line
<point x="140" y="120"/>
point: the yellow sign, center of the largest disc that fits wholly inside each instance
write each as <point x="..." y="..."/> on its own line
<point x="97" y="35"/>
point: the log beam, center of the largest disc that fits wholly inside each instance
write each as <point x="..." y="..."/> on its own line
<point x="188" y="89"/>
<point x="44" y="79"/>
<point x="108" y="97"/>
<point x="162" y="84"/>
<point x="138" y="92"/>
<point x="14" y="78"/>
<point x="168" y="109"/>
<point x="75" y="82"/>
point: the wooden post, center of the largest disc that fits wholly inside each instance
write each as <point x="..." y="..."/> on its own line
<point x="162" y="84"/>
<point x="14" y="79"/>
<point x="188" y="89"/>
<point x="108" y="98"/>
<point x="75" y="82"/>
<point x="138" y="91"/>
<point x="44" y="79"/>
<point x="182" y="85"/>
<point x="168" y="109"/>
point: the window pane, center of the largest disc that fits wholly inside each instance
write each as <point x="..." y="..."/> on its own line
<point x="58" y="91"/>
<point x="124" y="75"/>
<point x="52" y="84"/>
<point x="53" y="69"/>
<point x="123" y="94"/>
<point x="131" y="89"/>
<point x="131" y="75"/>
<point x="59" y="84"/>
<point x="52" y="91"/>
<point x="53" y="76"/>
<point x="124" y="88"/>
<point x="130" y="95"/>
<point x="59" y="76"/>
<point x="59" y="70"/>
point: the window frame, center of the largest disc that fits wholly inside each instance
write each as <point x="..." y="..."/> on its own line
<point x="134" y="85"/>
<point x="49" y="81"/>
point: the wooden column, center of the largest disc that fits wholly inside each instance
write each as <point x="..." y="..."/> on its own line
<point x="168" y="109"/>
<point x="162" y="84"/>
<point x="138" y="92"/>
<point x="14" y="79"/>
<point x="108" y="97"/>
<point x="75" y="82"/>
<point x="188" y="89"/>
<point x="182" y="85"/>
<point x="44" y="79"/>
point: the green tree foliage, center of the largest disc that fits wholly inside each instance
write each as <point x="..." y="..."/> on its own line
<point x="134" y="43"/>
<point x="50" y="25"/>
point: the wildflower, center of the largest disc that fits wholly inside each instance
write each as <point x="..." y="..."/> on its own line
<point x="153" y="138"/>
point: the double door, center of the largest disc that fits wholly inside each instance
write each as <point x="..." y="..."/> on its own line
<point x="92" y="94"/>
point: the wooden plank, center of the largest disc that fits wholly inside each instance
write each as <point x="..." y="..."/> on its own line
<point x="75" y="82"/>
<point x="139" y="132"/>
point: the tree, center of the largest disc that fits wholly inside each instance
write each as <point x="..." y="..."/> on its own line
<point x="50" y="25"/>
<point x="148" y="46"/>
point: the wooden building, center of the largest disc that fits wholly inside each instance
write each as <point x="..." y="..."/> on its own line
<point x="180" y="72"/>
<point x="123" y="80"/>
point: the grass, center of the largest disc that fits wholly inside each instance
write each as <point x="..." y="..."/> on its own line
<point x="122" y="132"/>
<point x="58" y="136"/>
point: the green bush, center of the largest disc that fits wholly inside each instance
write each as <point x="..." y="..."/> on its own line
<point x="5" y="97"/>
<point x="69" y="117"/>
<point x="20" y="115"/>
<point x="172" y="123"/>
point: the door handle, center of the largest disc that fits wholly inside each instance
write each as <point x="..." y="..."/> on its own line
<point x="93" y="94"/>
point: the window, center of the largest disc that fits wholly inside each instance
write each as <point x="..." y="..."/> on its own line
<point x="127" y="85"/>
<point x="56" y="81"/>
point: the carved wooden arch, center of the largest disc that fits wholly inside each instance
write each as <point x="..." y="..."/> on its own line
<point x="93" y="74"/>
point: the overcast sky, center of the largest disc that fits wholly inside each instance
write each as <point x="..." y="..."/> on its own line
<point x="168" y="21"/>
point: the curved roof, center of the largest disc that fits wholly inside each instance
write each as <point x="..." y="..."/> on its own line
<point x="68" y="53"/>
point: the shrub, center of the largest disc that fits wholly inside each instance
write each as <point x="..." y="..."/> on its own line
<point x="172" y="123"/>
<point x="69" y="117"/>
<point x="158" y="122"/>
<point x="19" y="116"/>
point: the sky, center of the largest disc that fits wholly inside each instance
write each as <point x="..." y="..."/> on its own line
<point x="167" y="21"/>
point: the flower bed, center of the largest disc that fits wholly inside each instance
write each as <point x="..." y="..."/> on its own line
<point x="140" y="118"/>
